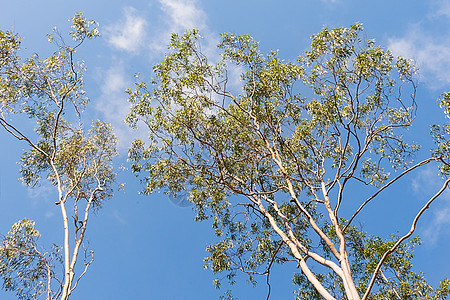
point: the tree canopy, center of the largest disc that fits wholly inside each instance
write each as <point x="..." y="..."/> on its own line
<point x="283" y="157"/>
<point x="75" y="159"/>
<point x="272" y="157"/>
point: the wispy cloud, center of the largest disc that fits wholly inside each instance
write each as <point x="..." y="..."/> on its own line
<point x="184" y="14"/>
<point x="44" y="194"/>
<point x="129" y="33"/>
<point x="176" y="16"/>
<point x="441" y="8"/>
<point x="113" y="101"/>
<point x="426" y="183"/>
<point x="427" y="44"/>
<point x="431" y="54"/>
<point x="41" y="193"/>
<point x="133" y="33"/>
<point x="145" y="39"/>
<point x="118" y="217"/>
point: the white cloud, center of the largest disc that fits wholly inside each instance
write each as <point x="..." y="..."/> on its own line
<point x="184" y="14"/>
<point x="438" y="227"/>
<point x="129" y="34"/>
<point x="442" y="8"/>
<point x="45" y="193"/>
<point x="426" y="183"/>
<point x="176" y="16"/>
<point x="133" y="33"/>
<point x="432" y="55"/>
<point x="139" y="36"/>
<point x="428" y="44"/>
<point x="113" y="102"/>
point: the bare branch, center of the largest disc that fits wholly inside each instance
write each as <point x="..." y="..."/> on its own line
<point x="424" y="162"/>
<point x="407" y="235"/>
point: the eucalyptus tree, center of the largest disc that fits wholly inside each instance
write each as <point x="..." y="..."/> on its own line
<point x="273" y="157"/>
<point x="74" y="158"/>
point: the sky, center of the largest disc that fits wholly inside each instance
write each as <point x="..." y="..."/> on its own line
<point x="148" y="247"/>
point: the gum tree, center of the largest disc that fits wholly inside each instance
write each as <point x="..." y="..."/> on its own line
<point x="74" y="158"/>
<point x="273" y="161"/>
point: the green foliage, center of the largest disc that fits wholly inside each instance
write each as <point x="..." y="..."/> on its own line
<point x="397" y="279"/>
<point x="81" y="28"/>
<point x="82" y="162"/>
<point x="74" y="158"/>
<point x="25" y="269"/>
<point x="269" y="160"/>
<point x="441" y="135"/>
<point x="50" y="92"/>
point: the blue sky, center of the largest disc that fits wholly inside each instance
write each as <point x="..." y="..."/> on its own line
<point x="150" y="248"/>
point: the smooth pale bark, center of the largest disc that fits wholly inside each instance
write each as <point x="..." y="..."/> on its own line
<point x="311" y="277"/>
<point x="350" y="288"/>
<point x="68" y="273"/>
<point x="344" y="271"/>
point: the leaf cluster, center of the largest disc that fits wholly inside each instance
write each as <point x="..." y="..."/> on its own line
<point x="25" y="269"/>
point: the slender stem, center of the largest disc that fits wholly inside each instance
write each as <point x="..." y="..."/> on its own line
<point x="407" y="235"/>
